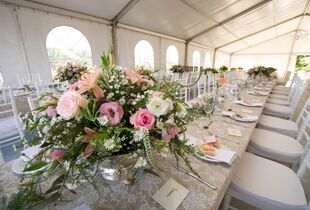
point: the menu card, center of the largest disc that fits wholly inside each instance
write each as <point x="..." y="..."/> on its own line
<point x="171" y="195"/>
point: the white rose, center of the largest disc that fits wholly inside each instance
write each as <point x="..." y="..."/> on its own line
<point x="157" y="106"/>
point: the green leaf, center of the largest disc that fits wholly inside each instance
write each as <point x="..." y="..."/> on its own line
<point x="53" y="188"/>
<point x="86" y="114"/>
<point x="35" y="165"/>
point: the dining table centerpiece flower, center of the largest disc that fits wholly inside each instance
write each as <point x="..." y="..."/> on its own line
<point x="70" y="72"/>
<point x="113" y="111"/>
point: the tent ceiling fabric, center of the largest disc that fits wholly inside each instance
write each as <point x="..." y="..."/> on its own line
<point x="187" y="18"/>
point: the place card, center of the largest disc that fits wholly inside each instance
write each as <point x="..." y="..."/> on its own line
<point x="171" y="195"/>
<point x="234" y="132"/>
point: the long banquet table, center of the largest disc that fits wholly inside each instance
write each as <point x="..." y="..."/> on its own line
<point x="139" y="196"/>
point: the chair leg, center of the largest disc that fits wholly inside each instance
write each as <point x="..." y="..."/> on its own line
<point x="226" y="201"/>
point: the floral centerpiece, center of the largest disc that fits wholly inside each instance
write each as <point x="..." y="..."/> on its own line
<point x="262" y="71"/>
<point x="211" y="70"/>
<point x="70" y="72"/>
<point x="110" y="112"/>
<point x="177" y="69"/>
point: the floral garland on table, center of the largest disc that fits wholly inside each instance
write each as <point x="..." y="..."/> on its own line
<point x="177" y="69"/>
<point x="71" y="73"/>
<point x="261" y="70"/>
<point x="109" y="112"/>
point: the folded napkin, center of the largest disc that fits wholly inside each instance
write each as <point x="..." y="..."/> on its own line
<point x="30" y="153"/>
<point x="254" y="104"/>
<point x="221" y="155"/>
<point x="245" y="118"/>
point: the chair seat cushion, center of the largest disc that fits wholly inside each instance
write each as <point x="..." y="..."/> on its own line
<point x="8" y="127"/>
<point x="286" y="127"/>
<point x="278" y="110"/>
<point x="275" y="146"/>
<point x="267" y="184"/>
<point x="281" y="88"/>
<point x="278" y="96"/>
<point x="280" y="92"/>
<point x="278" y="101"/>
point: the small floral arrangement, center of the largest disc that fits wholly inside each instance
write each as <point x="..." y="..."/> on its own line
<point x="211" y="70"/>
<point x="177" y="69"/>
<point x="110" y="112"/>
<point x="223" y="69"/>
<point x="70" y="72"/>
<point x="262" y="71"/>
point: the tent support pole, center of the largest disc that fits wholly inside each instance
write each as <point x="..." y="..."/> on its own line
<point x="186" y="52"/>
<point x="214" y="57"/>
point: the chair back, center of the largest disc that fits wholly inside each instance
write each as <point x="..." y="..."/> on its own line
<point x="183" y="93"/>
<point x="33" y="103"/>
<point x="54" y="88"/>
<point x="296" y="97"/>
<point x="28" y="79"/>
<point x="304" y="139"/>
<point x="9" y="114"/>
<point x="202" y="86"/>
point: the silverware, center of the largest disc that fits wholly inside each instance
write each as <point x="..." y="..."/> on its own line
<point x="233" y="123"/>
<point x="194" y="176"/>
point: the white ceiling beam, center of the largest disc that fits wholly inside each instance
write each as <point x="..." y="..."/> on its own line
<point x="124" y="11"/>
<point x="256" y="32"/>
<point x="267" y="40"/>
<point x="254" y="7"/>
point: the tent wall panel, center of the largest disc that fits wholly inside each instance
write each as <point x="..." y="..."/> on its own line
<point x="36" y="25"/>
<point x="12" y="59"/>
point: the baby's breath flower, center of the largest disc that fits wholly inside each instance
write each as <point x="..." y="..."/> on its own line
<point x="103" y="120"/>
<point x="140" y="163"/>
<point x="109" y="144"/>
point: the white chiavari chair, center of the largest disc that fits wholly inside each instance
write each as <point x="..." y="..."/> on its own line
<point x="191" y="91"/>
<point x="183" y="92"/>
<point x="209" y="82"/>
<point x="283" y="92"/>
<point x="266" y="184"/>
<point x="202" y="86"/>
<point x="54" y="88"/>
<point x="283" y="126"/>
<point x="28" y="79"/>
<point x="280" y="147"/>
<point x="283" y="111"/>
<point x="11" y="130"/>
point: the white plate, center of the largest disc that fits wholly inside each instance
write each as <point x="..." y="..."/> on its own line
<point x="249" y="105"/>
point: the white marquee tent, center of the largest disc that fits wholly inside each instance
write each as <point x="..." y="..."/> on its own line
<point x="238" y="32"/>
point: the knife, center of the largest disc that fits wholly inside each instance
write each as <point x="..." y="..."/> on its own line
<point x="194" y="176"/>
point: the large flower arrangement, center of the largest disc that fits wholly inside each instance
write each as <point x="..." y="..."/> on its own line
<point x="110" y="112"/>
<point x="261" y="70"/>
<point x="70" y="72"/>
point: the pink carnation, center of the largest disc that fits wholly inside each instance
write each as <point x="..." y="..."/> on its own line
<point x="57" y="154"/>
<point x="142" y="119"/>
<point x="113" y="111"/>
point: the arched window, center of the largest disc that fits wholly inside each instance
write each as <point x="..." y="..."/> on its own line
<point x="144" y="54"/>
<point x="65" y="44"/>
<point x="207" y="63"/>
<point x="196" y="58"/>
<point x="172" y="57"/>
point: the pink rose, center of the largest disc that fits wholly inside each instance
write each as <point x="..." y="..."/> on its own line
<point x="69" y="104"/>
<point x="51" y="112"/>
<point x="113" y="111"/>
<point x="57" y="154"/>
<point x="74" y="69"/>
<point x="75" y="85"/>
<point x="158" y="94"/>
<point x="170" y="133"/>
<point x="142" y="119"/>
